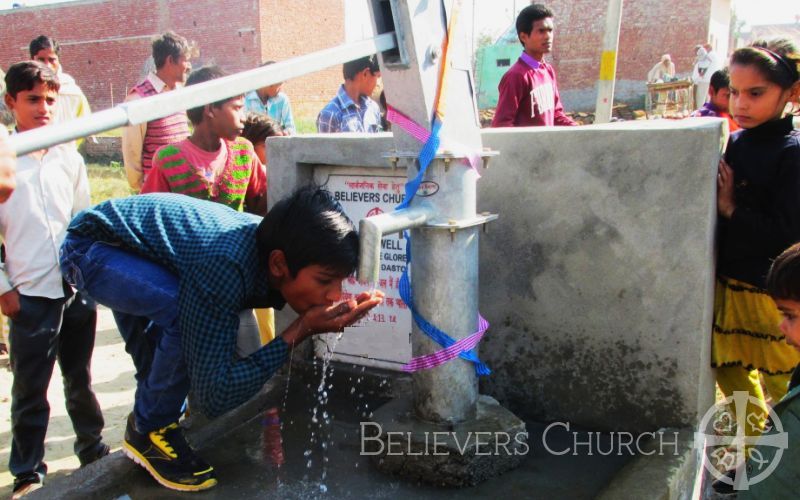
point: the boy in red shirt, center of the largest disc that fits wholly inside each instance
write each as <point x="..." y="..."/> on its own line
<point x="528" y="91"/>
<point x="719" y="96"/>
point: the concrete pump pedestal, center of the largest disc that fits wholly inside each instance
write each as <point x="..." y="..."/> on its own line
<point x="461" y="454"/>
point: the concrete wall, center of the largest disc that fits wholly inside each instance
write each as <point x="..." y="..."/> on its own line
<point x="491" y="64"/>
<point x="597" y="278"/>
<point x="719" y="29"/>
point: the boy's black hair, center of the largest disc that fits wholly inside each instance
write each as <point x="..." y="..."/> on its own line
<point x="201" y="75"/>
<point x="258" y="127"/>
<point x="170" y="44"/>
<point x="529" y="15"/>
<point x="783" y="279"/>
<point x="351" y="68"/>
<point x="720" y="80"/>
<point x="26" y="74"/>
<point x="43" y="42"/>
<point x="309" y="227"/>
<point x="778" y="60"/>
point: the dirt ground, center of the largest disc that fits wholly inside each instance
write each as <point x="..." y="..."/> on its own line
<point x="112" y="375"/>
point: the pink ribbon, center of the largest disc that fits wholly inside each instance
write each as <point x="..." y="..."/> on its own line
<point x="413" y="128"/>
<point x="422" y="134"/>
<point x="444" y="355"/>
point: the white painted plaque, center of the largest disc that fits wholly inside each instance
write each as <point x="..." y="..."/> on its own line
<point x="382" y="339"/>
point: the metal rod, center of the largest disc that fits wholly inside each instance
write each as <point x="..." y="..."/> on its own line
<point x="161" y="105"/>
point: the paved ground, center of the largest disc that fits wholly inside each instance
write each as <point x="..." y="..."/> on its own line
<point x="243" y="459"/>
<point x="112" y="372"/>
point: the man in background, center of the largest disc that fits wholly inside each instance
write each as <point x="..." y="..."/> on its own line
<point x="171" y="55"/>
<point x="71" y="101"/>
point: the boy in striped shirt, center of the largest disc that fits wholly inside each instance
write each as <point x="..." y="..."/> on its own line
<point x="214" y="163"/>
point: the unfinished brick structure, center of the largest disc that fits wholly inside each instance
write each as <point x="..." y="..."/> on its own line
<point x="105" y="43"/>
<point x="649" y="29"/>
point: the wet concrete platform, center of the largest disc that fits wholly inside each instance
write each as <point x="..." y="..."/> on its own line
<point x="323" y="459"/>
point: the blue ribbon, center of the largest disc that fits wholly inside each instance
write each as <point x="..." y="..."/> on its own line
<point x="430" y="330"/>
<point x="426" y="155"/>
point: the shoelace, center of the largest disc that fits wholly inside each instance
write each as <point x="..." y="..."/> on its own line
<point x="168" y="444"/>
<point x="177" y="440"/>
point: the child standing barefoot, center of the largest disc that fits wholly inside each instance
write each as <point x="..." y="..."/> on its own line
<point x="759" y="211"/>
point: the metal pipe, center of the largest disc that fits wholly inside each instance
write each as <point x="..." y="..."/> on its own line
<point x="444" y="277"/>
<point x="372" y="229"/>
<point x="44" y="137"/>
<point x="161" y="105"/>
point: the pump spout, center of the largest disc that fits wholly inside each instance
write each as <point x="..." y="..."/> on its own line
<point x="373" y="229"/>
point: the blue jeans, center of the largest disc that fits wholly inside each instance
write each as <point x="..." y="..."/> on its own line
<point x="139" y="291"/>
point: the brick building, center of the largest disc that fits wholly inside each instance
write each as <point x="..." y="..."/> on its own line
<point x="105" y="44"/>
<point x="649" y="29"/>
<point x="768" y="31"/>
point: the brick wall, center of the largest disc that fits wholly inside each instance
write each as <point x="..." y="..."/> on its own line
<point x="649" y="29"/>
<point x="106" y="43"/>
<point x="307" y="27"/>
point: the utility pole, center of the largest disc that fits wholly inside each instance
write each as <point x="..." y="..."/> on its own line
<point x="473" y="57"/>
<point x="608" y="63"/>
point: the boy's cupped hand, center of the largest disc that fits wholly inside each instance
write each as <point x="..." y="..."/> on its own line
<point x="324" y="319"/>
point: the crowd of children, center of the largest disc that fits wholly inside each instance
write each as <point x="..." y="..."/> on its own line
<point x="158" y="249"/>
<point x="180" y="272"/>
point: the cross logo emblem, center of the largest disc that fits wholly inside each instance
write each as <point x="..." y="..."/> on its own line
<point x="716" y="439"/>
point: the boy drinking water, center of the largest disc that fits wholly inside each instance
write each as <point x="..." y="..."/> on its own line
<point x="191" y="266"/>
<point x="48" y="321"/>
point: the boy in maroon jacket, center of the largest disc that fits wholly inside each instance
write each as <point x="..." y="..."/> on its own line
<point x="528" y="91"/>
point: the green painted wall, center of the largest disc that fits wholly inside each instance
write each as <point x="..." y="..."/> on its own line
<point x="492" y="63"/>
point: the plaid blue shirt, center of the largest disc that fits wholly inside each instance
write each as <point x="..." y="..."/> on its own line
<point x="342" y="115"/>
<point x="212" y="250"/>
<point x="278" y="108"/>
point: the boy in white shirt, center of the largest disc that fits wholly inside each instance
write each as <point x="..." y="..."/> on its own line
<point x="48" y="321"/>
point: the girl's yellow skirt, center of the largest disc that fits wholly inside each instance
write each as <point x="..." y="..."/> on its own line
<point x="746" y="330"/>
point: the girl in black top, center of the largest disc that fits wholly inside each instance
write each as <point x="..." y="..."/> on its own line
<point x="759" y="216"/>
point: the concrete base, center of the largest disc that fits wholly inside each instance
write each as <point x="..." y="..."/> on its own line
<point x="675" y="475"/>
<point x="463" y="454"/>
<point x="557" y="462"/>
